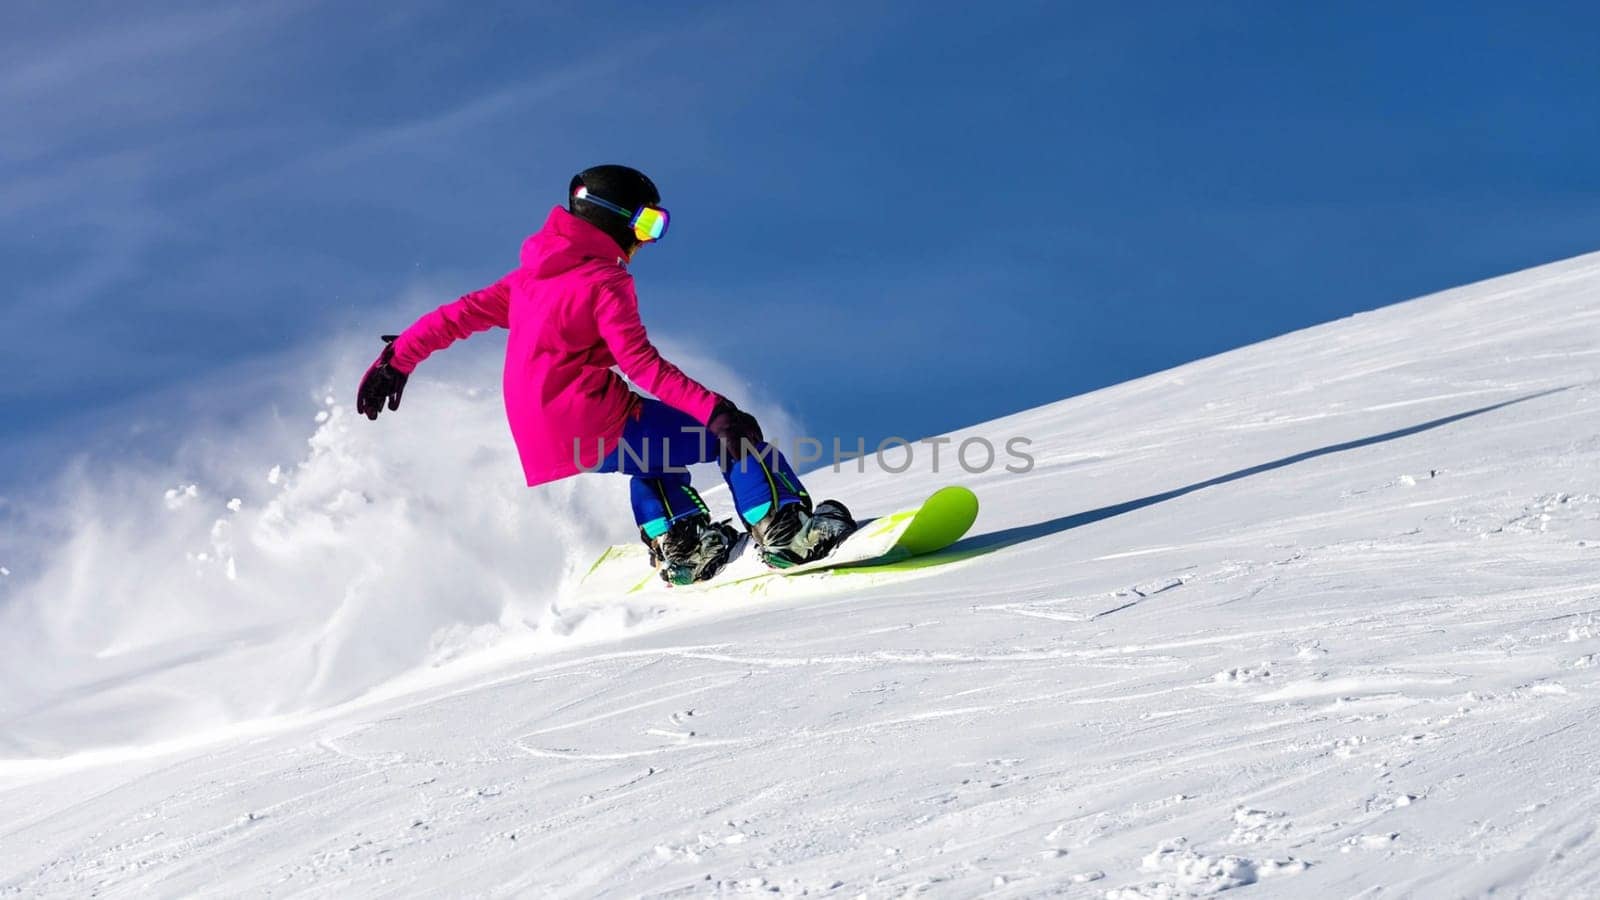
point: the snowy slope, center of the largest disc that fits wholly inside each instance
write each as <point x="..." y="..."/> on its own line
<point x="1318" y="617"/>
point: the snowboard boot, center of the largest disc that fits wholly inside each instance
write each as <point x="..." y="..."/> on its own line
<point x="794" y="534"/>
<point x="692" y="549"/>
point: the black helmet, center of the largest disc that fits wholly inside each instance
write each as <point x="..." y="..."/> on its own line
<point x="619" y="185"/>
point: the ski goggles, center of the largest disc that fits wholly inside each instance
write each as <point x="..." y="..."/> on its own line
<point x="649" y="223"/>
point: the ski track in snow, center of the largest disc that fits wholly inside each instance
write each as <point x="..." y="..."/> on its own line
<point x="1370" y="672"/>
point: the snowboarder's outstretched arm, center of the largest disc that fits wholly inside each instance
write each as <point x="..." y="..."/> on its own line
<point x="617" y="318"/>
<point x="475" y="312"/>
<point x="385" y="380"/>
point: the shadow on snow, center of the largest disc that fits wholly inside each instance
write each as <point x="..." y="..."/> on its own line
<point x="995" y="540"/>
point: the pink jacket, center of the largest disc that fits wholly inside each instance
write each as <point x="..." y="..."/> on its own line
<point x="573" y="315"/>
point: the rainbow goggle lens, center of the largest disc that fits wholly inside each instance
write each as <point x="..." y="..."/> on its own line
<point x="649" y="223"/>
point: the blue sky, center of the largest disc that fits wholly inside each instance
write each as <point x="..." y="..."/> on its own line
<point x="895" y="218"/>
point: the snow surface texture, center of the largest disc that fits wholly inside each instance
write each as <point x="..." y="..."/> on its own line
<point x="1318" y="617"/>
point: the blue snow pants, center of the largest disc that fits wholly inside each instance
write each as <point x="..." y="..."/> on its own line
<point x="660" y="442"/>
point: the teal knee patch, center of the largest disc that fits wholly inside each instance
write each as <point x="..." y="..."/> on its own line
<point x="655" y="528"/>
<point x="756" y="513"/>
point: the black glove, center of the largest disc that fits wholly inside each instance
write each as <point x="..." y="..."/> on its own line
<point x="733" y="427"/>
<point x="382" y="382"/>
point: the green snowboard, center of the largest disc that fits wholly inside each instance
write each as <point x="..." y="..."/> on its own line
<point x="887" y="542"/>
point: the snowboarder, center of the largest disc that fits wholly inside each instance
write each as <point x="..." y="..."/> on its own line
<point x="573" y="315"/>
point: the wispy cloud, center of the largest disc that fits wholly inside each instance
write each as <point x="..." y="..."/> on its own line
<point x="155" y="146"/>
<point x="98" y="109"/>
<point x="420" y="132"/>
<point x="131" y="67"/>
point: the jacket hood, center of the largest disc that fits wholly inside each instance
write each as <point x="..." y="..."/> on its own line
<point x="566" y="242"/>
